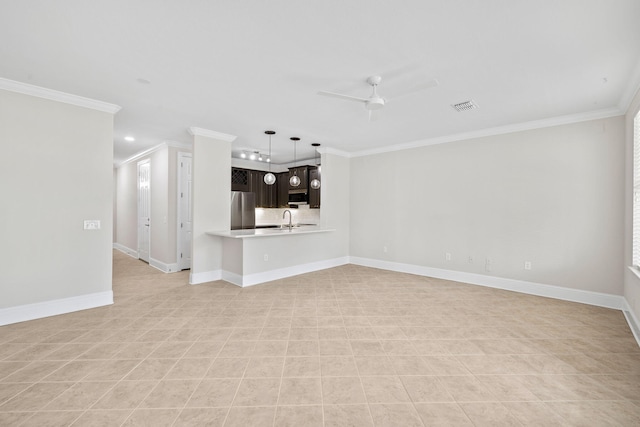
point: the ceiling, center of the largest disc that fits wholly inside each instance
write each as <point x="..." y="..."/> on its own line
<point x="242" y="67"/>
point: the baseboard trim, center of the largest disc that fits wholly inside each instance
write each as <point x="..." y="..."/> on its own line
<point x="281" y="273"/>
<point x="38" y="310"/>
<point x="550" y="291"/>
<point x="205" y="276"/>
<point x="632" y="320"/>
<point x="122" y="248"/>
<point x="164" y="267"/>
<point x="233" y="278"/>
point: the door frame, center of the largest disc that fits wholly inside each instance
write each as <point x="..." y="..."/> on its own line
<point x="140" y="163"/>
<point x="181" y="155"/>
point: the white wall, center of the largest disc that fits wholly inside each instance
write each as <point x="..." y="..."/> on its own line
<point x="159" y="224"/>
<point x="336" y="204"/>
<point x="552" y="196"/>
<point x="211" y="201"/>
<point x="56" y="170"/>
<point x="127" y="207"/>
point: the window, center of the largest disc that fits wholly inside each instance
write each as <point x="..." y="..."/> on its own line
<point x="636" y="191"/>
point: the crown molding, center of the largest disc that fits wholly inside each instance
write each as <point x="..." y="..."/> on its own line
<point x="54" y="95"/>
<point x="148" y="151"/>
<point x="195" y="131"/>
<point x="335" y="151"/>
<point x="176" y="144"/>
<point x="500" y="130"/>
<point x="261" y="166"/>
<point x="140" y="155"/>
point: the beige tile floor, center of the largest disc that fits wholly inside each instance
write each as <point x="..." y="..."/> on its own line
<point x="348" y="346"/>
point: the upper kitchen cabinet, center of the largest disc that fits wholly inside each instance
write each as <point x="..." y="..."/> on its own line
<point x="240" y="179"/>
<point x="303" y="174"/>
<point x="277" y="195"/>
<point x="266" y="195"/>
<point x="314" y="193"/>
<point x="253" y="181"/>
<point x="282" y="184"/>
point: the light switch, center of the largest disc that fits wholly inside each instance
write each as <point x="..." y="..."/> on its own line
<point x="92" y="224"/>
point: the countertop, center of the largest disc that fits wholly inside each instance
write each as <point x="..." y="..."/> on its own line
<point x="267" y="232"/>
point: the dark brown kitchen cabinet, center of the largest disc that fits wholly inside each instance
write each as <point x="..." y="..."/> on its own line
<point x="314" y="194"/>
<point x="276" y="195"/>
<point x="282" y="184"/>
<point x="269" y="194"/>
<point x="266" y="195"/>
<point x="256" y="187"/>
<point x="302" y="172"/>
<point x="240" y="179"/>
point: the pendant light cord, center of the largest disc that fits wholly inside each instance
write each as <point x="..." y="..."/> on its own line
<point x="269" y="152"/>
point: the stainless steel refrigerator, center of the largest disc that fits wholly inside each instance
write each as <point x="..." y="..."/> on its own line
<point x="243" y="210"/>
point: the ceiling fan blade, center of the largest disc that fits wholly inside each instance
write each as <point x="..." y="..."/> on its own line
<point x="341" y="96"/>
<point x="374" y="115"/>
<point x="417" y="88"/>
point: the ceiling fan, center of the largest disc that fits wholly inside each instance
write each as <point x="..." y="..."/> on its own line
<point x="375" y="102"/>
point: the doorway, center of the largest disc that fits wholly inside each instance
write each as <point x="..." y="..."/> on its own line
<point x="144" y="210"/>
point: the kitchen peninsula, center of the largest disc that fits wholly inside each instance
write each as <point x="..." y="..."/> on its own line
<point x="254" y="256"/>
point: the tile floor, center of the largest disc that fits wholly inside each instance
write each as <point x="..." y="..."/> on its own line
<point x="348" y="346"/>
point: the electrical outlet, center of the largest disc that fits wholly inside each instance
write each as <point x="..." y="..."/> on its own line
<point x="470" y="259"/>
<point x="527" y="265"/>
<point x="384" y="249"/>
<point x="92" y="224"/>
<point x="266" y="257"/>
<point x="447" y="256"/>
<point x="487" y="264"/>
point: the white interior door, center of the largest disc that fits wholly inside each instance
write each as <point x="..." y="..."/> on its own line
<point x="184" y="210"/>
<point x="144" y="209"/>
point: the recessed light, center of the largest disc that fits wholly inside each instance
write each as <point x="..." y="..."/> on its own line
<point x="129" y="138"/>
<point x="243" y="155"/>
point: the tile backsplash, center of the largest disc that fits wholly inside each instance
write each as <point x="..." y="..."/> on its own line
<point x="302" y="215"/>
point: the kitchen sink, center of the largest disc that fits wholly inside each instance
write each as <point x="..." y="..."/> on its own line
<point x="285" y="226"/>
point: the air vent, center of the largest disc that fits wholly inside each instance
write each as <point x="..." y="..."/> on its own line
<point x="465" y="106"/>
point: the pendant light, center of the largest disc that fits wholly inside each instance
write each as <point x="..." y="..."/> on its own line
<point x="315" y="182"/>
<point x="294" y="181"/>
<point x="269" y="178"/>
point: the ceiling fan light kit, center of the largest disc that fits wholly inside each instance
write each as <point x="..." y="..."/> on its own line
<point x="376" y="102"/>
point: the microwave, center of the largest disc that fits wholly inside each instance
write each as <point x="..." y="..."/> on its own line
<point x="298" y="198"/>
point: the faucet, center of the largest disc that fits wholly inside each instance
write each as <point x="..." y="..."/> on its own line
<point x="284" y="214"/>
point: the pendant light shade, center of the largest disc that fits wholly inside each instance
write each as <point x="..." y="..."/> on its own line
<point x="294" y="181"/>
<point x="269" y="178"/>
<point x="315" y="182"/>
